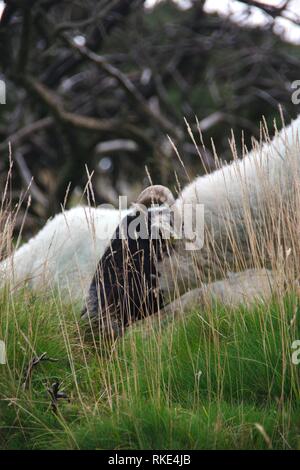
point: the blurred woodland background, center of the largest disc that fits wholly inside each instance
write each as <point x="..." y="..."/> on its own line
<point x="95" y="87"/>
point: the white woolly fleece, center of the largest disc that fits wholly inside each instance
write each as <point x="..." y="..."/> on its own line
<point x="65" y="253"/>
<point x="265" y="176"/>
<point x="272" y="165"/>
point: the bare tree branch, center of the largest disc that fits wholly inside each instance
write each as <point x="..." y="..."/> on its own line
<point x="29" y="180"/>
<point x="116" y="145"/>
<point x="129" y="87"/>
<point x="272" y="10"/>
<point x="56" y="105"/>
<point x="26" y="131"/>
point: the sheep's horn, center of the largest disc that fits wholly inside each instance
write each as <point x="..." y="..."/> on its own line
<point x="157" y="193"/>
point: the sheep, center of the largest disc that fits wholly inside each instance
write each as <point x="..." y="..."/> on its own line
<point x="64" y="253"/>
<point x="238" y="200"/>
<point x="139" y="276"/>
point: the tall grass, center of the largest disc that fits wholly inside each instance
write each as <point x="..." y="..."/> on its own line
<point x="191" y="384"/>
<point x="214" y="378"/>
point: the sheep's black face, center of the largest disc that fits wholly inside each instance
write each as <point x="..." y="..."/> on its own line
<point x="125" y="285"/>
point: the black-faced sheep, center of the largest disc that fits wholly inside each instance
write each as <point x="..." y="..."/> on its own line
<point x="242" y="203"/>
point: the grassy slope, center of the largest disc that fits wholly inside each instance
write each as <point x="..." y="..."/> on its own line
<point x="217" y="379"/>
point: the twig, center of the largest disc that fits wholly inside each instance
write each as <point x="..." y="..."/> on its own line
<point x="33" y="363"/>
<point x="56" y="395"/>
<point x="26" y="131"/>
<point x="29" y="181"/>
<point x="116" y="145"/>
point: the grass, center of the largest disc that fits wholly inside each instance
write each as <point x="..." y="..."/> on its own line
<point x="219" y="379"/>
